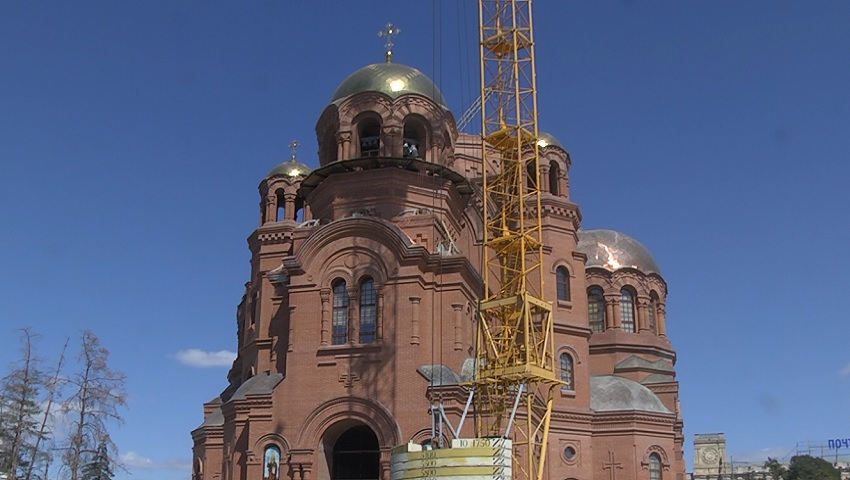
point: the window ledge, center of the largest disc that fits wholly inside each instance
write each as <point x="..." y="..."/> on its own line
<point x="567" y="393"/>
<point x="565" y="304"/>
<point x="348" y="349"/>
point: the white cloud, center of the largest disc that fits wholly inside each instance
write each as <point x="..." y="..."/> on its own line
<point x="195" y="357"/>
<point x="135" y="460"/>
<point x="845" y="371"/>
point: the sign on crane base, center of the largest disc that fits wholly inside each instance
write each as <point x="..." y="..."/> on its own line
<point x="486" y="458"/>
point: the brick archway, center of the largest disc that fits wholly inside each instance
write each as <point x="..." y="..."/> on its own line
<point x="362" y="410"/>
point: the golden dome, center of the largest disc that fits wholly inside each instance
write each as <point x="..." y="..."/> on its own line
<point x="392" y="79"/>
<point x="290" y="168"/>
<point x="613" y="250"/>
<point x="545" y="139"/>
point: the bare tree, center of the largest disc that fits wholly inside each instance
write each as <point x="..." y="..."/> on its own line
<point x="19" y="407"/>
<point x="52" y="392"/>
<point x="98" y="393"/>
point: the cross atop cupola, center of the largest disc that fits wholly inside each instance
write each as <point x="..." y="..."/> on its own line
<point x="389" y="32"/>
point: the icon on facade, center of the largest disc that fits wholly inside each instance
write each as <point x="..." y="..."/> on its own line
<point x="271" y="462"/>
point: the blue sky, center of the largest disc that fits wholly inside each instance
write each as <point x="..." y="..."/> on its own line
<point x="133" y="136"/>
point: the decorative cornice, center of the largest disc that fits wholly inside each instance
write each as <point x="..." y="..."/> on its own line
<point x="617" y="419"/>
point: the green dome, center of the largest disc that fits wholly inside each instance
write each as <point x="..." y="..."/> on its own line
<point x="290" y="168"/>
<point x="392" y="79"/>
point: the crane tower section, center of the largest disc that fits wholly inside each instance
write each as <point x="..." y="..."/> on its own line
<point x="515" y="378"/>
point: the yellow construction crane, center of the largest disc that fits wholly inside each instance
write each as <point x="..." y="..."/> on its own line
<point x="514" y="383"/>
<point x="515" y="377"/>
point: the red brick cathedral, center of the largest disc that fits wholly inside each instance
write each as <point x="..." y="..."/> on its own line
<point x="360" y="312"/>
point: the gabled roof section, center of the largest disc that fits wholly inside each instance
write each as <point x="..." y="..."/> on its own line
<point x="657" y="378"/>
<point x="262" y="384"/>
<point x="214" y="419"/>
<point x="439" y="375"/>
<point x="633" y="362"/>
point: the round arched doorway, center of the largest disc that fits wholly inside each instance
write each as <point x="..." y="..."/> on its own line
<point x="356" y="455"/>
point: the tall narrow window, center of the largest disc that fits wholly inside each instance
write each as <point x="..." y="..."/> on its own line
<point x="532" y="177"/>
<point x="255" y="309"/>
<point x="370" y="138"/>
<point x="280" y="213"/>
<point x="562" y="281"/>
<point x="339" y="334"/>
<point x="299" y="209"/>
<point x="596" y="309"/>
<point x="567" y="372"/>
<point x="554" y="174"/>
<point x="410" y="142"/>
<point x="654" y="467"/>
<point x="653" y="305"/>
<point x="367" y="310"/>
<point x="627" y="310"/>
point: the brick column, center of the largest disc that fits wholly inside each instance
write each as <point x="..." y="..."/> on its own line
<point x="612" y="312"/>
<point x="414" y="320"/>
<point x="288" y="206"/>
<point x="379" y="313"/>
<point x="661" y="319"/>
<point x="458" y="325"/>
<point x="343" y="140"/>
<point x="353" y="316"/>
<point x="544" y="179"/>
<point x="563" y="185"/>
<point x="642" y="314"/>
<point x="326" y="330"/>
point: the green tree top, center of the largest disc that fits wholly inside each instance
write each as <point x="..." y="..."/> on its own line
<point x="99" y="466"/>
<point x="806" y="467"/>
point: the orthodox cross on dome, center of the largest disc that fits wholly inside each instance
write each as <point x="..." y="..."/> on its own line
<point x="612" y="465"/>
<point x="293" y="146"/>
<point x="389" y="31"/>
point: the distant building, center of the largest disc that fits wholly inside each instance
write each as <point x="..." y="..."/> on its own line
<point x="710" y="455"/>
<point x="360" y="311"/>
<point x="711" y="461"/>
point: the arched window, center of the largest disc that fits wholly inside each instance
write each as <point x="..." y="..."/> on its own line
<point x="596" y="309"/>
<point x="654" y="467"/>
<point x="413" y="139"/>
<point x="280" y="213"/>
<point x="370" y="137"/>
<point x="567" y="372"/>
<point x="554" y="174"/>
<point x="627" y="310"/>
<point x="329" y="148"/>
<point x="532" y="176"/>
<point x="367" y="310"/>
<point x="339" y="334"/>
<point x="255" y="309"/>
<point x="299" y="209"/>
<point x="653" y="305"/>
<point x="562" y="281"/>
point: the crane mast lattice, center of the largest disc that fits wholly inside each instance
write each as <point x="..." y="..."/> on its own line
<point x="515" y="378"/>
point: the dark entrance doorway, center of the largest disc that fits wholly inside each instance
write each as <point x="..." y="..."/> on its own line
<point x="356" y="455"/>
